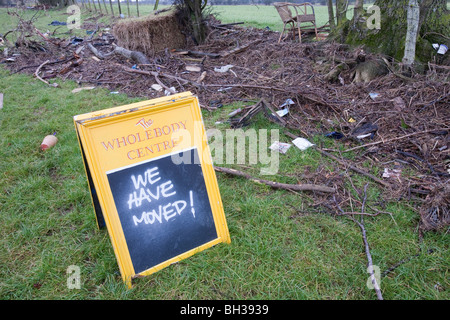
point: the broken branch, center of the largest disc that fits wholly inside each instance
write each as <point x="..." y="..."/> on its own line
<point x="277" y="185"/>
<point x="389" y="140"/>
<point x="36" y="73"/>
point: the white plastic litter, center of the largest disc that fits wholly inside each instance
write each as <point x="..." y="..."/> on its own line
<point x="280" y="146"/>
<point x="224" y="68"/>
<point x="302" y="143"/>
<point x="442" y="49"/>
<point x="283" y="112"/>
<point x="157" y="87"/>
<point x="287" y="103"/>
<point x="170" y="91"/>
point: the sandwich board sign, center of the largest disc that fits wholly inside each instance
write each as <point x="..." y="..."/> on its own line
<point x="152" y="182"/>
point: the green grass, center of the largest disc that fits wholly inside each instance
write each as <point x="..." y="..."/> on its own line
<point x="282" y="246"/>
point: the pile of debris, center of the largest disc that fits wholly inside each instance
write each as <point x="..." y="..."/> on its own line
<point x="393" y="121"/>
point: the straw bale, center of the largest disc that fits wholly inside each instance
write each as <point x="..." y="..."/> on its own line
<point x="150" y="34"/>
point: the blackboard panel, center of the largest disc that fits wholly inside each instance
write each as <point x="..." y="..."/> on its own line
<point x="163" y="208"/>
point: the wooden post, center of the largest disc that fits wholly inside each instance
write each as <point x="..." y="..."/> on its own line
<point x="112" y="11"/>
<point x="120" y="8"/>
<point x="104" y="4"/>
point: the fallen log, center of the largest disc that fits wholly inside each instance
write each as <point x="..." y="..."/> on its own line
<point x="277" y="185"/>
<point x="136" y="56"/>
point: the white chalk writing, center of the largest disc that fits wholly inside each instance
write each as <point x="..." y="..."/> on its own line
<point x="148" y="188"/>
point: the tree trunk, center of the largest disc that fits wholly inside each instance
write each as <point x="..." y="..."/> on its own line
<point x="390" y="38"/>
<point x="331" y="14"/>
<point x="413" y="16"/>
<point x="358" y="10"/>
<point x="192" y="15"/>
<point x="341" y="11"/>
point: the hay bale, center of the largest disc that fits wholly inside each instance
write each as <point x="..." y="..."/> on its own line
<point x="150" y="34"/>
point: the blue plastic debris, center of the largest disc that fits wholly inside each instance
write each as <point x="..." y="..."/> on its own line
<point x="57" y="23"/>
<point x="335" y="135"/>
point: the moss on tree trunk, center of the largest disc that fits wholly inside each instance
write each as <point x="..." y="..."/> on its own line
<point x="389" y="39"/>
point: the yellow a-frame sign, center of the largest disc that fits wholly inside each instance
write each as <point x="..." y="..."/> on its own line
<point x="152" y="181"/>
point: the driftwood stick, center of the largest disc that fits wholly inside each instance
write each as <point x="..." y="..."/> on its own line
<point x="136" y="56"/>
<point x="36" y="73"/>
<point x="163" y="85"/>
<point x="153" y="73"/>
<point x="95" y="51"/>
<point x="367" y="248"/>
<point x="277" y="185"/>
<point x="366" y="243"/>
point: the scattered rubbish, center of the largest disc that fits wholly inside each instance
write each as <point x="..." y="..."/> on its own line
<point x="224" y="89"/>
<point x="121" y="16"/>
<point x="114" y="92"/>
<point x="283" y="112"/>
<point x="202" y="77"/>
<point x="193" y="68"/>
<point x="77" y="40"/>
<point x="217" y="122"/>
<point x="362" y="136"/>
<point x="49" y="141"/>
<point x="366" y="129"/>
<point x="244" y="120"/>
<point x="224" y="68"/>
<point x="442" y="49"/>
<point x="76" y="90"/>
<point x="1" y="100"/>
<point x="391" y="173"/>
<point x="436" y="46"/>
<point x="374" y="95"/>
<point x="235" y="112"/>
<point x="280" y="147"/>
<point x="135" y="67"/>
<point x="11" y="59"/>
<point x="335" y="135"/>
<point x="215" y="104"/>
<point x="287" y="103"/>
<point x="90" y="31"/>
<point x="351" y="120"/>
<point x="57" y="23"/>
<point x="302" y="143"/>
<point x="156" y="87"/>
<point x="170" y="91"/>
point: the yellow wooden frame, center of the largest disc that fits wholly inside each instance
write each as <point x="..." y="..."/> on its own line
<point x="95" y="126"/>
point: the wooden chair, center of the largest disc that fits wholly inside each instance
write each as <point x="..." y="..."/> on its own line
<point x="304" y="13"/>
